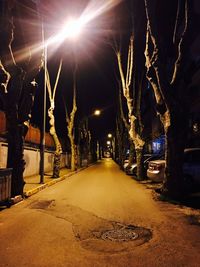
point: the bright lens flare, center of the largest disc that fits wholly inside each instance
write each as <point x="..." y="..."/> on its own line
<point x="71" y="30"/>
<point x="74" y="26"/>
<point x="97" y="8"/>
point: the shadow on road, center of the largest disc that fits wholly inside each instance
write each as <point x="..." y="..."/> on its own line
<point x="192" y="200"/>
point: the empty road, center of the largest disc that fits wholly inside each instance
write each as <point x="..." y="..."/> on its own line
<point x="96" y="218"/>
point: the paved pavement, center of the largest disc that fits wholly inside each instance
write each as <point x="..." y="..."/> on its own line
<point x="99" y="217"/>
<point x="33" y="184"/>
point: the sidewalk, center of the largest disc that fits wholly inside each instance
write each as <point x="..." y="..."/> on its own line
<point x="33" y="185"/>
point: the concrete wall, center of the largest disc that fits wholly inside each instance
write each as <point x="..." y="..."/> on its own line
<point x="32" y="158"/>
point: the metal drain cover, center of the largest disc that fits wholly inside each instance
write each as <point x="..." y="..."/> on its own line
<point x="120" y="235"/>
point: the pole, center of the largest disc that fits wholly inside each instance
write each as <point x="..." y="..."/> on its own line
<point x="44" y="112"/>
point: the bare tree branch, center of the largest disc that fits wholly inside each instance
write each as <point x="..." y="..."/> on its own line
<point x="181" y="46"/>
<point x="130" y="62"/>
<point x="126" y="83"/>
<point x="138" y="104"/>
<point x="156" y="75"/>
<point x="150" y="74"/>
<point x="177" y="21"/>
<point x="121" y="108"/>
<point x="57" y="78"/>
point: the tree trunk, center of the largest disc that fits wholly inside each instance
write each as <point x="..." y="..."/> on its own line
<point x="79" y="156"/>
<point x="56" y="165"/>
<point x="15" y="130"/>
<point x="139" y="161"/>
<point x="73" y="154"/>
<point x="176" y="133"/>
<point x="58" y="151"/>
<point x="57" y="158"/>
<point x="131" y="153"/>
<point x="15" y="159"/>
<point x="119" y="142"/>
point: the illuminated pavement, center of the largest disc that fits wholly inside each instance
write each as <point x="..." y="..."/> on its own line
<point x="63" y="225"/>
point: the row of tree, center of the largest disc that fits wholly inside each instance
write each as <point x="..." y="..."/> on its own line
<point x="162" y="56"/>
<point x="21" y="60"/>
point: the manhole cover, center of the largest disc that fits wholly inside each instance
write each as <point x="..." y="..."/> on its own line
<point x="115" y="237"/>
<point x="120" y="235"/>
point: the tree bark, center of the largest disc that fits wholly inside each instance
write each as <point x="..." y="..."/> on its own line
<point x="15" y="158"/>
<point x="58" y="151"/>
<point x="73" y="154"/>
<point x="176" y="133"/>
<point x="131" y="157"/>
<point x="139" y="161"/>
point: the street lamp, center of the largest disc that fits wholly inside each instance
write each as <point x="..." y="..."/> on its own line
<point x="70" y="30"/>
<point x="109" y="135"/>
<point x="108" y="143"/>
<point x="97" y="112"/>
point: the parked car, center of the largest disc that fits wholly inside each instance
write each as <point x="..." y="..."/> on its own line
<point x="191" y="167"/>
<point x="156" y="170"/>
<point x="125" y="164"/>
<point x="132" y="170"/>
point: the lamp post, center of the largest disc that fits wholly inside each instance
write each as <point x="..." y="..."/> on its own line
<point x="42" y="148"/>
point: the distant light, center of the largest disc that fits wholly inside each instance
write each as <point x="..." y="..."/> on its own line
<point x="108" y="142"/>
<point x="109" y="135"/>
<point x="97" y="112"/>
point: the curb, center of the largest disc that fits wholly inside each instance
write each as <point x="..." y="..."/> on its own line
<point x="39" y="188"/>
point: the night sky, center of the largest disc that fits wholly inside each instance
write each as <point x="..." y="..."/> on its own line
<point x="97" y="68"/>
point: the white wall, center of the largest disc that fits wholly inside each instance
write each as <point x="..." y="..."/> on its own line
<point x="32" y="158"/>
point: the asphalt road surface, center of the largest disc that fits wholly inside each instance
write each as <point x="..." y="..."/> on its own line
<point x="98" y="217"/>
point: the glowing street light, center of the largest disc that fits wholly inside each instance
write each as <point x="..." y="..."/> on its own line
<point x="97" y="112"/>
<point x="109" y="135"/>
<point x="108" y="142"/>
